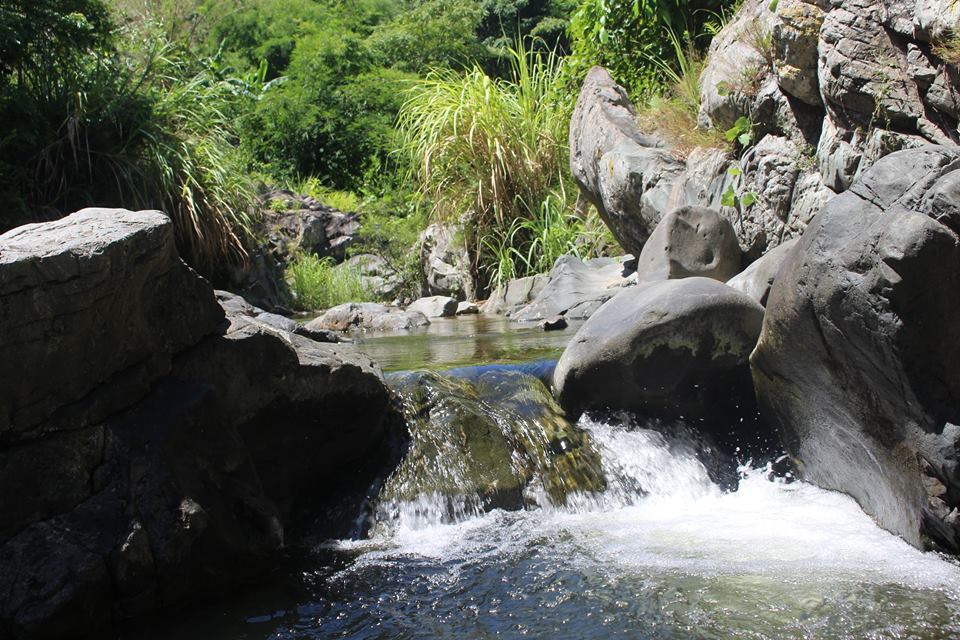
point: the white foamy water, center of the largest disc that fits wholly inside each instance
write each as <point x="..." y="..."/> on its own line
<point x="773" y="559"/>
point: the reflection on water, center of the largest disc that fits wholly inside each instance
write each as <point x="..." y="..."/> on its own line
<point x="466" y="340"/>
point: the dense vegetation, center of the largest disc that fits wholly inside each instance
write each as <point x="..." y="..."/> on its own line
<point x="195" y="106"/>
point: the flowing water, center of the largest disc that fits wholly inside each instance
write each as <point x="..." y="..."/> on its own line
<point x="658" y="551"/>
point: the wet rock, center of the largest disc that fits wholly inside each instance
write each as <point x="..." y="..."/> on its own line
<point x="575" y="289"/>
<point x="857" y="362"/>
<point x="756" y="280"/>
<point x="435" y="306"/>
<point x="486" y="443"/>
<point x="351" y="315"/>
<point x="445" y="262"/>
<point x="664" y="349"/>
<point x="466" y="308"/>
<point x="690" y="241"/>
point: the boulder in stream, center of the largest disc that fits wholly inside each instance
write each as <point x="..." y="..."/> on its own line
<point x="859" y="360"/>
<point x="672" y="349"/>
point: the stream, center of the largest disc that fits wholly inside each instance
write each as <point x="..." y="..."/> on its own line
<point x="659" y="551"/>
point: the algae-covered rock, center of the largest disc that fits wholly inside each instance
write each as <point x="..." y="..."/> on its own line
<point x="497" y="441"/>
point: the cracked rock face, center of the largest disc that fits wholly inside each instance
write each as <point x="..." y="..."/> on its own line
<point x="857" y="364"/>
<point x="153" y="448"/>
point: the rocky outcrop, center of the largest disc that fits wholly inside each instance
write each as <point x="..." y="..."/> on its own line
<point x="292" y="224"/>
<point x="664" y="349"/>
<point x="690" y="241"/>
<point x="819" y="92"/>
<point x="173" y="443"/>
<point x="445" y="262"/>
<point x="624" y="173"/>
<point x="858" y="360"/>
<point x="576" y="289"/>
<point x="375" y="274"/>
<point x="366" y="315"/>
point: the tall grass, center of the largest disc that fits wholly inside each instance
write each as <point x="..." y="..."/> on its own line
<point x="674" y="112"/>
<point x="141" y="126"/>
<point x="484" y="150"/>
<point x="318" y="283"/>
<point x="529" y="246"/>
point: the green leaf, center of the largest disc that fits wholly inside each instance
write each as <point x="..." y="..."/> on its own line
<point x="748" y="199"/>
<point x="745" y="138"/>
<point x="724" y="89"/>
<point x="729" y="197"/>
<point x="773" y="5"/>
<point x="734" y="171"/>
<point x="731" y="134"/>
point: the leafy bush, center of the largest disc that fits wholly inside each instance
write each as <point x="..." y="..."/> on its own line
<point x="488" y="150"/>
<point x="318" y="283"/>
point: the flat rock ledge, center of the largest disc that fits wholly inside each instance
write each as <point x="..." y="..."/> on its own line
<point x="153" y="448"/>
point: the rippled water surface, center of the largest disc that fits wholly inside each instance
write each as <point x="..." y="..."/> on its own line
<point x="679" y="559"/>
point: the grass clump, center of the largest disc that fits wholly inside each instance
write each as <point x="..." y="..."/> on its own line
<point x="674" y="112"/>
<point x="319" y="283"/>
<point x="485" y="151"/>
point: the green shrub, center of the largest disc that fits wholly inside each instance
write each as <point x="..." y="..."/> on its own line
<point x="318" y="283"/>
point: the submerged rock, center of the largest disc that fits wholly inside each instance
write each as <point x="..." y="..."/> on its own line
<point x="859" y="360"/>
<point x="676" y="348"/>
<point x="498" y="440"/>
<point x="176" y="445"/>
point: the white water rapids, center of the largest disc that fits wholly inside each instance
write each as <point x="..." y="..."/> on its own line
<point x="771" y="560"/>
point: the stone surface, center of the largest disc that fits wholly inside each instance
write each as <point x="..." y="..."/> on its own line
<point x="556" y="323"/>
<point x="435" y="306"/>
<point x="756" y="280"/>
<point x="666" y="349"/>
<point x="358" y="316"/>
<point x="795" y="34"/>
<point x="466" y="308"/>
<point x="196" y="441"/>
<point x="623" y="172"/>
<point x="857" y="364"/>
<point x="445" y="262"/>
<point x="399" y="321"/>
<point x="98" y="294"/>
<point x="575" y="289"/>
<point x="479" y="442"/>
<point x="690" y="241"/>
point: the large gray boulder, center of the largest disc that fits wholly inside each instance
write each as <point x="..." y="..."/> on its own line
<point x="690" y="241"/>
<point x="173" y="445"/>
<point x="95" y="296"/>
<point x="623" y="172"/>
<point x="857" y="364"/>
<point x="672" y="348"/>
<point x="375" y="274"/>
<point x="575" y="289"/>
<point x="515" y="294"/>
